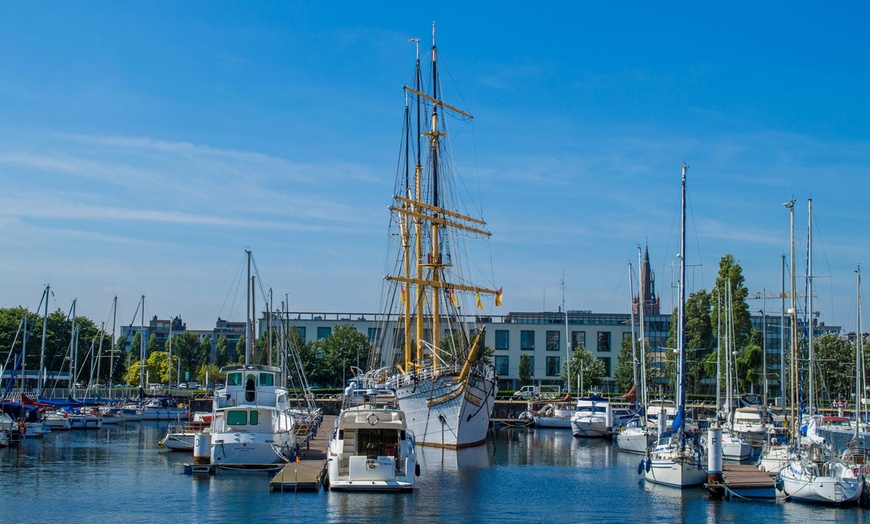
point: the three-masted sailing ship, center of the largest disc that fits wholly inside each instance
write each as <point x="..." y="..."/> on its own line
<point x="432" y="354"/>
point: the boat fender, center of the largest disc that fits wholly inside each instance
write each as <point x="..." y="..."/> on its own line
<point x="416" y="469"/>
<point x="779" y="483"/>
<point x="640" y="467"/>
<point x="648" y="465"/>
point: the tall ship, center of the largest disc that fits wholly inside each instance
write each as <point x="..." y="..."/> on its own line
<point x="432" y="354"/>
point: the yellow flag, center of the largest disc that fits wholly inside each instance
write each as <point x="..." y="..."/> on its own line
<point x="479" y="304"/>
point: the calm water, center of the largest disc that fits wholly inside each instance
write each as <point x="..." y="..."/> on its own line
<point x="118" y="475"/>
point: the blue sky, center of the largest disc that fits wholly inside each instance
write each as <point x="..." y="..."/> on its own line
<point x="144" y="146"/>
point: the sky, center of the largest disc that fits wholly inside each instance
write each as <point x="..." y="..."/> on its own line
<point x="144" y="146"/>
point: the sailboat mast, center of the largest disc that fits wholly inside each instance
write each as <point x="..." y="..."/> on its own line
<point x="405" y="218"/>
<point x="719" y="353"/>
<point x="782" y="370"/>
<point x="142" y="346"/>
<point x="568" y="340"/>
<point x="42" y="349"/>
<point x="248" y="313"/>
<point x="112" y="352"/>
<point x="74" y="347"/>
<point x="810" y="328"/>
<point x="641" y="308"/>
<point x="433" y="225"/>
<point x="795" y="423"/>
<point x="681" y="345"/>
<point x="858" y="354"/>
<point x="633" y="338"/>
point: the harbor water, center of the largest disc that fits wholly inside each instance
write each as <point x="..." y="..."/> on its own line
<point x="119" y="474"/>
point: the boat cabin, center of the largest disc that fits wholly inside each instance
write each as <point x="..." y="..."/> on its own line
<point x="250" y="386"/>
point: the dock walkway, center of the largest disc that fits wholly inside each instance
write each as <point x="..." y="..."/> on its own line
<point x="744" y="480"/>
<point x="307" y="473"/>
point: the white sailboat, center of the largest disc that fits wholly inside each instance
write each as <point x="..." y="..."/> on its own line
<point x="676" y="460"/>
<point x="637" y="436"/>
<point x="445" y="390"/>
<point x="812" y="474"/>
<point x="252" y="424"/>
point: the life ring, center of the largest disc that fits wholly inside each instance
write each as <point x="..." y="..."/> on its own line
<point x="373" y="419"/>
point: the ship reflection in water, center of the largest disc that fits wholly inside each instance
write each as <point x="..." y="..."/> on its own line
<point x="119" y="474"/>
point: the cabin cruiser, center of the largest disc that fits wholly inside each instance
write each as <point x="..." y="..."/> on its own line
<point x="371" y="448"/>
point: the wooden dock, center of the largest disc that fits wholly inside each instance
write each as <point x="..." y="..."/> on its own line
<point x="307" y="473"/>
<point x="743" y="481"/>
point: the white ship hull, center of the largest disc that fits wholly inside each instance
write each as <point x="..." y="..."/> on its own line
<point x="446" y="413"/>
<point x="678" y="472"/>
<point x="635" y="440"/>
<point x="826" y="483"/>
<point x="589" y="427"/>
<point x="270" y="441"/>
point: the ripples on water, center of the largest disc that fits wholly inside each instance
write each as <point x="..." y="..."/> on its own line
<point x="119" y="475"/>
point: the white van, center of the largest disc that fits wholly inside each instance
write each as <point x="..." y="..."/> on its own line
<point x="536" y="392"/>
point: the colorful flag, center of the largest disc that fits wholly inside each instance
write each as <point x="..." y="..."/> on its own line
<point x="479" y="304"/>
<point x="498" y="298"/>
<point x="453" y="301"/>
<point x="403" y="297"/>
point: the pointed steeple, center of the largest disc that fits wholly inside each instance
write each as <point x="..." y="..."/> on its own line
<point x="647" y="291"/>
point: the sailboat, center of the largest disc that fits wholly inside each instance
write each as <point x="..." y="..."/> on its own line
<point x="252" y="424"/>
<point x="638" y="436"/>
<point x="676" y="459"/>
<point x="445" y="389"/>
<point x="812" y="474"/>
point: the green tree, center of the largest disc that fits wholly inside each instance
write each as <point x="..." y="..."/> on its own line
<point x="241" y="350"/>
<point x="343" y="348"/>
<point x="153" y="345"/>
<point x="737" y="316"/>
<point x="209" y="373"/>
<point x="584" y="365"/>
<point x="222" y="356"/>
<point x="836" y="365"/>
<point x="203" y="351"/>
<point x="625" y="365"/>
<point x="525" y="371"/>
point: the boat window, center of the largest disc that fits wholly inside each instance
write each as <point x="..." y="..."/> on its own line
<point x="234" y="379"/>
<point x="267" y="379"/>
<point x="250" y="387"/>
<point x="237" y="418"/>
<point x="255" y="418"/>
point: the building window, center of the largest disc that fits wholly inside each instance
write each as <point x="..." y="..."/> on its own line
<point x="604" y="341"/>
<point x="553" y="366"/>
<point x="323" y="332"/>
<point x="578" y="339"/>
<point x="502" y="339"/>
<point x="527" y="340"/>
<point x="300" y="330"/>
<point x="606" y="361"/>
<point x="532" y="365"/>
<point x="553" y="341"/>
<point x="501" y="365"/>
<point x="374" y="334"/>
